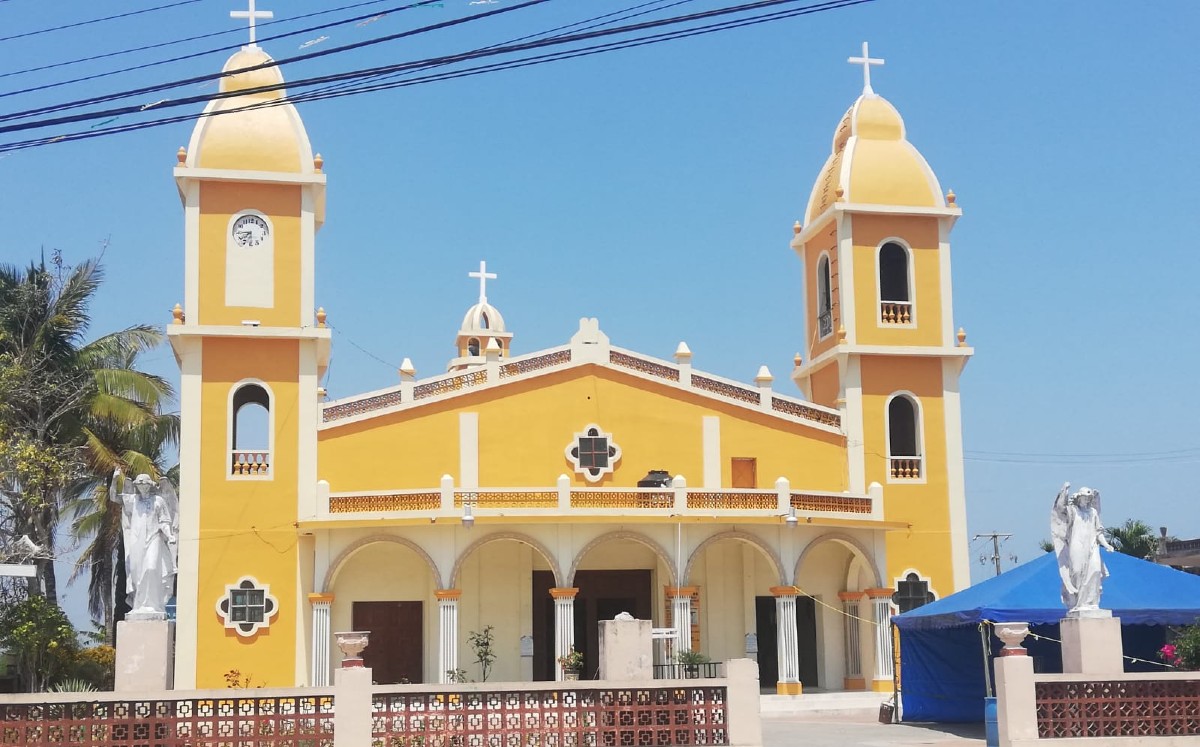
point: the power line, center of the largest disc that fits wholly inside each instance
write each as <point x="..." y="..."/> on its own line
<point x="84" y="135"/>
<point x="507" y="49"/>
<point x="198" y="37"/>
<point x="97" y="20"/>
<point x="193" y="55"/>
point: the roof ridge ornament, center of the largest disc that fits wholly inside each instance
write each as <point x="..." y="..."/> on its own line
<point x="483" y="276"/>
<point x="866" y="61"/>
<point x="251" y="15"/>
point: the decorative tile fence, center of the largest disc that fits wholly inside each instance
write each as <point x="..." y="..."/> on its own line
<point x="722" y="711"/>
<point x="584" y="717"/>
<point x="220" y="718"/>
<point x="1118" y="708"/>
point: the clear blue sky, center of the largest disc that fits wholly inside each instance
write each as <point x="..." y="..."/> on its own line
<point x="656" y="188"/>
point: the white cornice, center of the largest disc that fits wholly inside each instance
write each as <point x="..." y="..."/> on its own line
<point x="913" y="351"/>
<point x="814" y="226"/>
<point x="580" y="360"/>
<point x="234" y="175"/>
<point x="184" y="336"/>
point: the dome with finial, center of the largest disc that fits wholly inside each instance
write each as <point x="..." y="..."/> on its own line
<point x="246" y="137"/>
<point x="482" y="329"/>
<point x="871" y="161"/>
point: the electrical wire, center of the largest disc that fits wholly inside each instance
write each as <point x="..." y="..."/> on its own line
<point x="227" y="48"/>
<point x="96" y="20"/>
<point x="184" y="40"/>
<point x="621" y="44"/>
<point x="193" y="55"/>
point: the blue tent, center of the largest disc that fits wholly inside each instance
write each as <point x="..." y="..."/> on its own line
<point x="942" y="649"/>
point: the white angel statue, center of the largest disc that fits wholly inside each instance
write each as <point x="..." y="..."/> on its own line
<point x="150" y="525"/>
<point x="1078" y="536"/>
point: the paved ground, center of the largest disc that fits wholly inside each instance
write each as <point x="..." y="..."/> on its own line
<point x="863" y="731"/>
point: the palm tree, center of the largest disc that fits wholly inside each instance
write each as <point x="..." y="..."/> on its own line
<point x="56" y="390"/>
<point x="123" y="426"/>
<point x="1134" y="537"/>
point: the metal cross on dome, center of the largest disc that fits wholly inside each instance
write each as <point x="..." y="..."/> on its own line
<point x="866" y="61"/>
<point x="483" y="276"/>
<point x="251" y="15"/>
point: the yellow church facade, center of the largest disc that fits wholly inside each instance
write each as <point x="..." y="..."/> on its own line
<point x="540" y="493"/>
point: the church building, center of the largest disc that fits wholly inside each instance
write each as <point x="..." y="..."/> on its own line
<point x="541" y="492"/>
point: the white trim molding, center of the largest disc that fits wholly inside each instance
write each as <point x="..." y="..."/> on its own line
<point x="231" y="426"/>
<point x="919" y="425"/>
<point x="255" y="595"/>
<point x="910" y="278"/>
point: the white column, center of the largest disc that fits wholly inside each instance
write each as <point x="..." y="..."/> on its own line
<point x="881" y="601"/>
<point x="681" y="615"/>
<point x="564" y="625"/>
<point x="853" y="658"/>
<point x="321" y="639"/>
<point x="787" y="642"/>
<point x="447" y="632"/>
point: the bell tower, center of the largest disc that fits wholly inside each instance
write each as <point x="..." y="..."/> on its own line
<point x="879" y="335"/>
<point x="251" y="349"/>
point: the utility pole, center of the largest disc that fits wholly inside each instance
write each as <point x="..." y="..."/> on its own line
<point x="995" y="537"/>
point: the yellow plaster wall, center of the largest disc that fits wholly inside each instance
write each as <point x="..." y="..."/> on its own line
<point x="921" y="234"/>
<point x="246" y="526"/>
<point x="219" y="201"/>
<point x="826" y="386"/>
<point x="525" y="427"/>
<point x="926" y="546"/>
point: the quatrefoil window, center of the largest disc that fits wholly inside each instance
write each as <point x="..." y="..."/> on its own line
<point x="247" y="606"/>
<point x="593" y="453"/>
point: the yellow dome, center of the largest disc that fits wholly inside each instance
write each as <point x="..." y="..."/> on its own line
<point x="270" y="138"/>
<point x="873" y="163"/>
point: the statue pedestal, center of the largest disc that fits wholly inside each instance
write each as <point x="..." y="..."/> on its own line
<point x="1091" y="644"/>
<point x="145" y="654"/>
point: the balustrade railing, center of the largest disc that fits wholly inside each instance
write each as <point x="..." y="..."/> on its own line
<point x="905" y="468"/>
<point x="705" y="671"/>
<point x="250" y="462"/>
<point x="895" y="312"/>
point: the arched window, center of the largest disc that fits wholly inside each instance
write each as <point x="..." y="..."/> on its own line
<point x="473" y="346"/>
<point x="483" y="321"/>
<point x="824" y="297"/>
<point x="895" y="297"/>
<point x="250" y="431"/>
<point x="904" y="438"/>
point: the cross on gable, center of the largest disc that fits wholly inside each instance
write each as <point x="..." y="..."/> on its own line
<point x="483" y="276"/>
<point x="866" y="61"/>
<point x="251" y="15"/>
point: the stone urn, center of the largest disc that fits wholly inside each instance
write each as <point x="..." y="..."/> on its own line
<point x="1012" y="634"/>
<point x="351" y="644"/>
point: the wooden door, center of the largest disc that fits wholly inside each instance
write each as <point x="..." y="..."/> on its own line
<point x="396" y="652"/>
<point x="744" y="472"/>
<point x="767" y="630"/>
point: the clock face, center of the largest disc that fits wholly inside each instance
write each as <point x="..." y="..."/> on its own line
<point x="250" y="230"/>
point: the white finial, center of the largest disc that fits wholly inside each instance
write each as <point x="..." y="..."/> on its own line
<point x="483" y="276"/>
<point x="251" y="15"/>
<point x="866" y="61"/>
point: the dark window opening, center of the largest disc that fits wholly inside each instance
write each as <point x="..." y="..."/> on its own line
<point x="902" y="428"/>
<point x="251" y="418"/>
<point x="473" y="346"/>
<point x="824" y="298"/>
<point x="893" y="273"/>
<point x="911" y="593"/>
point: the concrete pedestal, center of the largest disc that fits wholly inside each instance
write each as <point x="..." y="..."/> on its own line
<point x="626" y="651"/>
<point x="145" y="655"/>
<point x="1091" y="645"/>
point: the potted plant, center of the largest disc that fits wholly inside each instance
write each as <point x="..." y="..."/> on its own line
<point x="571" y="663"/>
<point x="691" y="661"/>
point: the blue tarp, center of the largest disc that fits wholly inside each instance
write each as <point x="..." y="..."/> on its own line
<point x="941" y="650"/>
